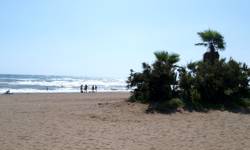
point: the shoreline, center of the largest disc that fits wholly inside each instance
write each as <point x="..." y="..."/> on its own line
<point x="65" y="92"/>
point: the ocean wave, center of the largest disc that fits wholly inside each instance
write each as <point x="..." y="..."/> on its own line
<point x="60" y="90"/>
<point x="66" y="84"/>
<point x="40" y="84"/>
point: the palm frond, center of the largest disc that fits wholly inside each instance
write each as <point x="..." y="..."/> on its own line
<point x="212" y="36"/>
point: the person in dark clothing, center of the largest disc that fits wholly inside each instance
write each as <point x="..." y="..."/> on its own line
<point x="7" y="92"/>
<point x="95" y="88"/>
<point x="86" y="88"/>
<point x="81" y="88"/>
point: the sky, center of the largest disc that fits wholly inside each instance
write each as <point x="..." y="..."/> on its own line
<point x="107" y="38"/>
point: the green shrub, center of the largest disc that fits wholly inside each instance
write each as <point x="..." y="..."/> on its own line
<point x="217" y="84"/>
<point x="175" y="103"/>
<point x="209" y="83"/>
<point x="196" y="101"/>
<point x="156" y="83"/>
<point x="138" y="97"/>
<point x="172" y="104"/>
<point x="244" y="102"/>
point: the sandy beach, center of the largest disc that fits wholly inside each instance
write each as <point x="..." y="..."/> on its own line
<point x="106" y="121"/>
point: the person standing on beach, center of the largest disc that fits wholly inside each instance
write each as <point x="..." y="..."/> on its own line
<point x="86" y="88"/>
<point x="81" y="88"/>
<point x="95" y="88"/>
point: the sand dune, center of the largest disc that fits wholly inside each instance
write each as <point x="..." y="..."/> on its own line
<point x="106" y="121"/>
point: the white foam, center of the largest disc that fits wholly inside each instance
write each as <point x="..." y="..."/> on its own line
<point x="61" y="84"/>
<point x="62" y="90"/>
<point x="74" y="83"/>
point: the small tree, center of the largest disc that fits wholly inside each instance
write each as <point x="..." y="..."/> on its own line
<point x="140" y="82"/>
<point x="163" y="77"/>
<point x="156" y="83"/>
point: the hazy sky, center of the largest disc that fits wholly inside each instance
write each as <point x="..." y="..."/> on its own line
<point x="108" y="37"/>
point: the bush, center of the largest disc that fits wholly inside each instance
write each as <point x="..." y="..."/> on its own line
<point x="217" y="84"/>
<point x="140" y="81"/>
<point x="196" y="101"/>
<point x="170" y="105"/>
<point x="202" y="84"/>
<point x="209" y="83"/>
<point x="156" y="83"/>
<point x="175" y="103"/>
<point x="244" y="102"/>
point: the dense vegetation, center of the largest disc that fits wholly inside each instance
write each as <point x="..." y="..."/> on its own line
<point x="209" y="83"/>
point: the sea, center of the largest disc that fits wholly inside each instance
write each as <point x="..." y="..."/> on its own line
<point x="58" y="84"/>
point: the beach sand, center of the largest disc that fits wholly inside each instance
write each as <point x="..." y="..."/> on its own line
<point x="106" y="121"/>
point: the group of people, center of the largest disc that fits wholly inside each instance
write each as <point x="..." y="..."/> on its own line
<point x="85" y="88"/>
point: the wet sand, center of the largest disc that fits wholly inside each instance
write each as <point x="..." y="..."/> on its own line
<point x="106" y="121"/>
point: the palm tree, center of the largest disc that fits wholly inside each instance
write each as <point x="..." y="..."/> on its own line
<point x="165" y="57"/>
<point x="214" y="41"/>
<point x="163" y="75"/>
